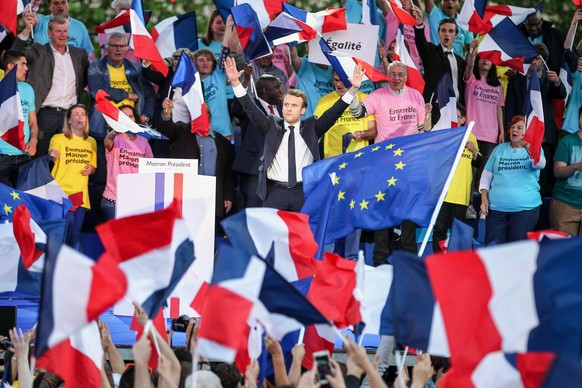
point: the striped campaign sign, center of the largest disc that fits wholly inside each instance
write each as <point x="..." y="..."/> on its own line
<point x="195" y="195"/>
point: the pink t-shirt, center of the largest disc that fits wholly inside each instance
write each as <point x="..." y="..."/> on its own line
<point x="395" y="115"/>
<point x="482" y="102"/>
<point x="123" y="159"/>
<point x="392" y="24"/>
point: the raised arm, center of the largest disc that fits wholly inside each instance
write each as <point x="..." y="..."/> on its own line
<point x="295" y="59"/>
<point x="569" y="41"/>
<point x="471" y="59"/>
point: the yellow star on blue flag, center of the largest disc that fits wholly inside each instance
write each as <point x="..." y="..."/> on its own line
<point x="387" y="183"/>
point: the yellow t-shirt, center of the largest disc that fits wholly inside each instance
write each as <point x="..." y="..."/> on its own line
<point x="332" y="140"/>
<point x="460" y="189"/>
<point x="75" y="153"/>
<point x="119" y="81"/>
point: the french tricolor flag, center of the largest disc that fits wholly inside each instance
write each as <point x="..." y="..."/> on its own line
<point x="415" y="79"/>
<point x="527" y="304"/>
<point x="188" y="78"/>
<point x="337" y="276"/>
<point x="119" y="24"/>
<point x="329" y="20"/>
<point x="472" y="17"/>
<point x="495" y="13"/>
<point x="176" y="32"/>
<point x="78" y="359"/>
<point x="75" y="291"/>
<point x="266" y="10"/>
<point x="119" y="121"/>
<point x="286" y="29"/>
<point x="141" y="40"/>
<point x="143" y="44"/>
<point x="411" y="313"/>
<point x="344" y="64"/>
<point x="401" y="14"/>
<point x="281" y="237"/>
<point x="278" y="305"/>
<point x="159" y="254"/>
<point x="250" y="32"/>
<point x="534" y="114"/>
<point x="505" y="45"/>
<point x="11" y="118"/>
<point x="369" y="14"/>
<point x="447" y="102"/>
<point x="8" y="16"/>
<point x="222" y="335"/>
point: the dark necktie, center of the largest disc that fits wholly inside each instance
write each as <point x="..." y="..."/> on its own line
<point x="291" y="154"/>
<point x="271" y="109"/>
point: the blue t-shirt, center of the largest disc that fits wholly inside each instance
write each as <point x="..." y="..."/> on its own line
<point x="216" y="48"/>
<point x="27" y="100"/>
<point x="515" y="184"/>
<point x="315" y="82"/>
<point x="571" y="124"/>
<point x="78" y="35"/>
<point x="464" y="37"/>
<point x="215" y="97"/>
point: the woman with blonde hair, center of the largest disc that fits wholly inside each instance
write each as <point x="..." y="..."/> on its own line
<point x="74" y="154"/>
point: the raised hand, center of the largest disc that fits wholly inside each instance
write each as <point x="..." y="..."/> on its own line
<point x="232" y="73"/>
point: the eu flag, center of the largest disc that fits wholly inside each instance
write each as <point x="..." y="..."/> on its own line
<point x="381" y="185"/>
<point x="40" y="208"/>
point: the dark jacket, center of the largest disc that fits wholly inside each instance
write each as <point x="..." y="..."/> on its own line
<point x="436" y="65"/>
<point x="311" y="129"/>
<point x="41" y="65"/>
<point x="554" y="39"/>
<point x="99" y="79"/>
<point x="184" y="145"/>
<point x="515" y="97"/>
<point x="248" y="156"/>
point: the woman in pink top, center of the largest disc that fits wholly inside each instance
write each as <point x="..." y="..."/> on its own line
<point x="484" y="100"/>
<point x="122" y="153"/>
<point x="392" y="24"/>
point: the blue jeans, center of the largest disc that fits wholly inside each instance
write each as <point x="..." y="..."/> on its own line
<point x="74" y="224"/>
<point x="351" y="245"/>
<point x="506" y="227"/>
<point x="108" y="209"/>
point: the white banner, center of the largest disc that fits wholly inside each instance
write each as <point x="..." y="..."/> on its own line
<point x="359" y="40"/>
<point x="186" y="166"/>
<point x="147" y="192"/>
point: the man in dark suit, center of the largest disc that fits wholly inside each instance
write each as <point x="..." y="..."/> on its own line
<point x="439" y="60"/>
<point x="248" y="156"/>
<point x="290" y="143"/>
<point x="58" y="74"/>
<point x="214" y="153"/>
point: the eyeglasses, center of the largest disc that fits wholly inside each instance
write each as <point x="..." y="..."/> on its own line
<point x="118" y="46"/>
<point x="397" y="75"/>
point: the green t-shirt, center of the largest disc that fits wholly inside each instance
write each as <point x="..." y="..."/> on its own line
<point x="569" y="190"/>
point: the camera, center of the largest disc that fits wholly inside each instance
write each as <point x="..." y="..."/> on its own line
<point x="5" y="344"/>
<point x="181" y="323"/>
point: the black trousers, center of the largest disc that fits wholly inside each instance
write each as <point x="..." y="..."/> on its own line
<point x="50" y="121"/>
<point x="283" y="198"/>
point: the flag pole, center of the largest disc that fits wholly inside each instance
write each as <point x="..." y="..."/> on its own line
<point x="149" y="329"/>
<point x="437" y="209"/>
<point x="301" y="335"/>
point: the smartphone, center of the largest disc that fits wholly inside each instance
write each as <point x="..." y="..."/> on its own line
<point x="322" y="359"/>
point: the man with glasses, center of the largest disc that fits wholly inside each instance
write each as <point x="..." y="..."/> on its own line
<point x="399" y="111"/>
<point x="122" y="80"/>
<point x="124" y="83"/>
<point x="58" y="74"/>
